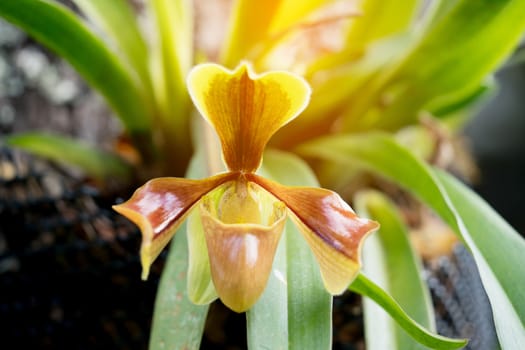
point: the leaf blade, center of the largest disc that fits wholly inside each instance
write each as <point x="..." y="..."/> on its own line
<point x="438" y="70"/>
<point x="389" y="259"/>
<point x="271" y="309"/>
<point x="112" y="16"/>
<point x="307" y="320"/>
<point x="508" y="305"/>
<point x="172" y="60"/>
<point x="379" y="153"/>
<point x="177" y="322"/>
<point x="381" y="19"/>
<point x="92" y="161"/>
<point x="366" y="287"/>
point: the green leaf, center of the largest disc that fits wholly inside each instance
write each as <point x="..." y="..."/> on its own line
<point x="267" y="320"/>
<point x="484" y="32"/>
<point x="465" y="44"/>
<point x="117" y="19"/>
<point x="498" y="250"/>
<point x="518" y="58"/>
<point x="309" y="304"/>
<point x="381" y="18"/>
<point x="295" y="311"/>
<point x="172" y="60"/>
<point x="177" y="322"/>
<point x="68" y="151"/>
<point x="351" y="79"/>
<point x="438" y="9"/>
<point x="496" y="247"/>
<point x="63" y="32"/>
<point x="389" y="260"/>
<point x="366" y="287"/>
<point x="480" y="93"/>
<point x="454" y="116"/>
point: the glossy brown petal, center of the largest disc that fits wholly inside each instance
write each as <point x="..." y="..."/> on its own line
<point x="331" y="228"/>
<point x="160" y="206"/>
<point x="246" y="109"/>
<point x="241" y="253"/>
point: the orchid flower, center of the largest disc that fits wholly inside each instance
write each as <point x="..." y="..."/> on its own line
<point x="243" y="214"/>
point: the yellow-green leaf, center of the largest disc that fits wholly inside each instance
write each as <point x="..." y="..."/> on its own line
<point x="171" y="59"/>
<point x="297" y="312"/>
<point x="112" y="17"/>
<point x="465" y="44"/>
<point x="388" y="259"/>
<point x="177" y="322"/>
<point x="92" y="161"/>
<point x="380" y="18"/>
<point x="366" y="287"/>
<point x="496" y="247"/>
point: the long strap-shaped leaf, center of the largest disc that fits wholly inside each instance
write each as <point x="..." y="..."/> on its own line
<point x="451" y="60"/>
<point x="92" y="161"/>
<point x="388" y="258"/>
<point x="62" y="31"/>
<point x="498" y="251"/>
<point x="295" y="311"/>
<point x="117" y="19"/>
<point x="172" y="59"/>
<point x="364" y="286"/>
<point x="496" y="247"/>
<point x="177" y="322"/>
<point x="381" y="18"/>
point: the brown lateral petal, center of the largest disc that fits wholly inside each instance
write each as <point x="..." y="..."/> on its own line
<point x="331" y="228"/>
<point x="241" y="254"/>
<point x="246" y="109"/>
<point x="160" y="206"/>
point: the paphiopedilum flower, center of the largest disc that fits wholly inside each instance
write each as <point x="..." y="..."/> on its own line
<point x="242" y="213"/>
